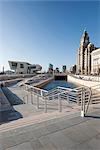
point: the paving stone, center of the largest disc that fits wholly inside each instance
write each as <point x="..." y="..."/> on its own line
<point x="23" y="146"/>
<point x="36" y="145"/>
<point x="40" y="132"/>
<point x="47" y="144"/>
<point x="21" y="138"/>
<point x="83" y="146"/>
<point x="7" y="142"/>
<point x="61" y="141"/>
<point x="94" y="143"/>
<point x="1" y="146"/>
<point x="52" y="128"/>
<point x="78" y="137"/>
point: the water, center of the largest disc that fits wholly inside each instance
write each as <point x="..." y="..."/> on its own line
<point x="56" y="83"/>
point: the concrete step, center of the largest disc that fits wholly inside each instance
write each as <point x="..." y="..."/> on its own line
<point x="36" y="119"/>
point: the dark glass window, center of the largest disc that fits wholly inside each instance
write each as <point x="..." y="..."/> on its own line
<point x="21" y="65"/>
<point x="33" y="67"/>
<point x="14" y="64"/>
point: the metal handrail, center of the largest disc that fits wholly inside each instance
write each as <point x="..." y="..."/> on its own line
<point x="88" y="101"/>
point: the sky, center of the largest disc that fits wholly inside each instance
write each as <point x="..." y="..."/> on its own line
<point x="43" y="32"/>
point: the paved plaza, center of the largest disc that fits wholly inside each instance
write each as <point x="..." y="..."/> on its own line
<point x="70" y="132"/>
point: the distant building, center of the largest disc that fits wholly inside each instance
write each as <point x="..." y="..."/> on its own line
<point x="95" y="62"/>
<point x="24" y="67"/>
<point x="84" y="55"/>
<point x="50" y="69"/>
<point x="64" y="68"/>
<point x="57" y="70"/>
<point x="73" y="69"/>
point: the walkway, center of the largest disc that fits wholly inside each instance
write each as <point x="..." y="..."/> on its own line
<point x="69" y="132"/>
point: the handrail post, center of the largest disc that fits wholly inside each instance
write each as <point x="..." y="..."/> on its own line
<point x="41" y="93"/>
<point x="59" y="104"/>
<point x="45" y="105"/>
<point x="77" y="97"/>
<point x="31" y="98"/>
<point x="82" y="103"/>
<point x="23" y="100"/>
<point x="27" y="99"/>
<point x="68" y="97"/>
<point x="37" y="101"/>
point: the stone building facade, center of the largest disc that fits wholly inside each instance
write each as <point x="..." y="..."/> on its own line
<point x="84" y="55"/>
<point x="95" y="62"/>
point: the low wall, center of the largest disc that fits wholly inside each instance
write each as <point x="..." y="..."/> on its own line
<point x="43" y="83"/>
<point x="82" y="82"/>
<point x="9" y="77"/>
<point x="10" y="82"/>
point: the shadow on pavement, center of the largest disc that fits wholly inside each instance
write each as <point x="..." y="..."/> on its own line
<point x="90" y="116"/>
<point x="12" y="98"/>
<point x="9" y="115"/>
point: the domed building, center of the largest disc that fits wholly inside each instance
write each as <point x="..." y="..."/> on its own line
<point x="84" y="54"/>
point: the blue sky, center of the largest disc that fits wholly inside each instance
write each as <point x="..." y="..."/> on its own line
<point x="46" y="32"/>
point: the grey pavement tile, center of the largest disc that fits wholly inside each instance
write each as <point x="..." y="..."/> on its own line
<point x="30" y="135"/>
<point x="21" y="138"/>
<point x="61" y="141"/>
<point x="95" y="125"/>
<point x="40" y="132"/>
<point x="83" y="146"/>
<point x="75" y="136"/>
<point x="1" y="146"/>
<point x="52" y="128"/>
<point x="23" y="146"/>
<point x="36" y="145"/>
<point x="7" y="142"/>
<point x="47" y="144"/>
<point x="63" y="125"/>
<point x="94" y="143"/>
<point x="84" y="129"/>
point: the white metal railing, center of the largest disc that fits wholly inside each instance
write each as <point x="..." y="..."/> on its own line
<point x="80" y="95"/>
<point x="59" y="93"/>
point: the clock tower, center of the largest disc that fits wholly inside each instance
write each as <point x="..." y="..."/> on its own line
<point x="84" y="40"/>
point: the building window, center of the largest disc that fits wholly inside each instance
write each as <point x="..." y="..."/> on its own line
<point x="32" y="67"/>
<point x="21" y="65"/>
<point x="14" y="64"/>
